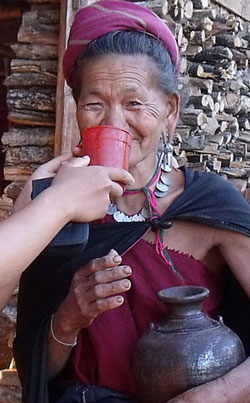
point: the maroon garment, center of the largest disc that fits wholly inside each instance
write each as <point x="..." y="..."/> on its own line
<point x="113" y="15"/>
<point x="104" y="351"/>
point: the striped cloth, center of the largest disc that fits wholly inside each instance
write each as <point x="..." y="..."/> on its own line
<point x="114" y="15"/>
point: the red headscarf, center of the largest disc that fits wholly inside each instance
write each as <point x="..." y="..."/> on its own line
<point x="114" y="15"/>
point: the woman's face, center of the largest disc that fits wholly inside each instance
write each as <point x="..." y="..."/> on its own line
<point x="122" y="90"/>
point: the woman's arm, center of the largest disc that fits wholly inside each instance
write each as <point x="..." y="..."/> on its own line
<point x="95" y="289"/>
<point x="233" y="387"/>
<point x="78" y="193"/>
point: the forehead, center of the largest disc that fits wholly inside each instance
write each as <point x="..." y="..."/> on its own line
<point x="129" y="70"/>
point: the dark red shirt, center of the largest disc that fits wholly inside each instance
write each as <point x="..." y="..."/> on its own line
<point x="103" y="355"/>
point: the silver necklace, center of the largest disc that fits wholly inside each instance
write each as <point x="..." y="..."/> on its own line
<point x="161" y="190"/>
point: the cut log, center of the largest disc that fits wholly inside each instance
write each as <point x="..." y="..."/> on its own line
<point x="204" y="102"/>
<point x="200" y="24"/>
<point x="214" y="165"/>
<point x="193" y="117"/>
<point x="197" y="37"/>
<point x="194" y="158"/>
<point x="200" y="4"/>
<point x="18" y="172"/>
<point x="204" y="70"/>
<point x="34" y="66"/>
<point x="238" y="149"/>
<point x="183" y="132"/>
<point x="188" y="9"/>
<point x="197" y="166"/>
<point x="208" y="13"/>
<point x="31" y="118"/>
<point x="244" y="137"/>
<point x="9" y="377"/>
<point x="35" y="51"/>
<point x="244" y="123"/>
<point x="230" y="41"/>
<point x="34" y="99"/>
<point x="217" y="139"/>
<point x="192" y="50"/>
<point x="37" y="136"/>
<point x="226" y="159"/>
<point x="194" y="143"/>
<point x="203" y="84"/>
<point x="31" y="79"/>
<point x="232" y="103"/>
<point x="210" y="126"/>
<point x="33" y="31"/>
<point x="28" y="155"/>
<point x="49" y="15"/>
<point x="14" y="189"/>
<point x="10" y="394"/>
<point x="233" y="127"/>
<point x="214" y="54"/>
<point x="245" y="105"/>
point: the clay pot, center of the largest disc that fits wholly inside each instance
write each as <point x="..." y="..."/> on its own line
<point x="185" y="350"/>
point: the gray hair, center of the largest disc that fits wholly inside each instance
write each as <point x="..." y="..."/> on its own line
<point x="131" y="43"/>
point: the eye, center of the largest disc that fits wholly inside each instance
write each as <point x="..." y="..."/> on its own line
<point x="93" y="106"/>
<point x="134" y="104"/>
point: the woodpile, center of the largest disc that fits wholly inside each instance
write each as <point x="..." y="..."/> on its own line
<point x="31" y="90"/>
<point x="31" y="97"/>
<point x="214" y="126"/>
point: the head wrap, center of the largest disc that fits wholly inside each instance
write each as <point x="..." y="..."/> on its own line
<point x="114" y="15"/>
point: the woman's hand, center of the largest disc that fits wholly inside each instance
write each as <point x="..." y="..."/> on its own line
<point x="95" y="288"/>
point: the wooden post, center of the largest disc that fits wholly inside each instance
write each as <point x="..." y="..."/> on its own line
<point x="67" y="133"/>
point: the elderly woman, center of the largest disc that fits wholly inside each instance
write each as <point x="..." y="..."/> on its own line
<point x="81" y="313"/>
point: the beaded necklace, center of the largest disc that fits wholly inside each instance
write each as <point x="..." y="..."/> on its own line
<point x="149" y="211"/>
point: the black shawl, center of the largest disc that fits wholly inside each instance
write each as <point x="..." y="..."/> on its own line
<point x="207" y="199"/>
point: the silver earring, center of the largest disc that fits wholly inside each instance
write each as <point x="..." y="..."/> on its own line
<point x="167" y="154"/>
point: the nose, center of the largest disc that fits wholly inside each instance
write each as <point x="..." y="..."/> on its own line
<point x="115" y="116"/>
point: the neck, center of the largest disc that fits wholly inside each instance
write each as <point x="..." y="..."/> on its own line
<point x="142" y="172"/>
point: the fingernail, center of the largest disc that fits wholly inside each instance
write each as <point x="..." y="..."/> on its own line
<point x="119" y="300"/>
<point x="126" y="284"/>
<point x="127" y="270"/>
<point x="117" y="259"/>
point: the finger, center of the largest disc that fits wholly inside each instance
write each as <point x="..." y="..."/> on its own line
<point x="77" y="151"/>
<point x="108" y="276"/>
<point x="102" y="305"/>
<point x="53" y="165"/>
<point x="112" y="259"/>
<point x="116" y="190"/>
<point x="120" y="175"/>
<point x="101" y="291"/>
<point x="78" y="162"/>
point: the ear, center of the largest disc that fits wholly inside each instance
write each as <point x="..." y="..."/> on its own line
<point x="172" y="115"/>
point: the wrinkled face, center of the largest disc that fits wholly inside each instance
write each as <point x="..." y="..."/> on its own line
<point x="122" y="90"/>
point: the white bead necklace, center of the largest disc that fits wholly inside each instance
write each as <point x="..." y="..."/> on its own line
<point x="161" y="190"/>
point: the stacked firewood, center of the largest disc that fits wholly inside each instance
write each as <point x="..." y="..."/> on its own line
<point x="31" y="96"/>
<point x="214" y="128"/>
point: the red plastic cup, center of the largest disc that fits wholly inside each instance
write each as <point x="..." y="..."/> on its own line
<point x="107" y="146"/>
